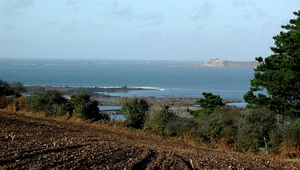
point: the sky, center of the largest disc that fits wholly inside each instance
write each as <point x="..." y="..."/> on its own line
<point x="141" y="29"/>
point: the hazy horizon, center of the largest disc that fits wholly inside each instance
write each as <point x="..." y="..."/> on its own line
<point x="236" y="30"/>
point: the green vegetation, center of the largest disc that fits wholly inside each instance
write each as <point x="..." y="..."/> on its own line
<point x="85" y="108"/>
<point x="223" y="123"/>
<point x="11" y="89"/>
<point x="135" y="111"/>
<point x="162" y="121"/>
<point x="279" y="74"/>
<point x="210" y="101"/>
<point x="51" y="102"/>
<point x="208" y="104"/>
<point x="271" y="122"/>
<point x="256" y="128"/>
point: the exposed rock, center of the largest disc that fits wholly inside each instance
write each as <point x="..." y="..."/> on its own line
<point x="223" y="63"/>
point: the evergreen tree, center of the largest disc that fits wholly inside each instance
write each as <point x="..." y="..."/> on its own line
<point x="276" y="82"/>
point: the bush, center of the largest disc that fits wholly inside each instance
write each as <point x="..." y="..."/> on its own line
<point x="161" y="120"/>
<point x="19" y="103"/>
<point x="158" y="118"/>
<point x="13" y="89"/>
<point x="51" y="102"/>
<point x="291" y="140"/>
<point x="85" y="108"/>
<point x="5" y="101"/>
<point x="255" y="129"/>
<point x="223" y="123"/>
<point x="4" y="88"/>
<point x="135" y="111"/>
<point x="208" y="104"/>
<point x="16" y="88"/>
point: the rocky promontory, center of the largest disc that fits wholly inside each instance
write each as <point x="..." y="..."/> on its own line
<point x="224" y="63"/>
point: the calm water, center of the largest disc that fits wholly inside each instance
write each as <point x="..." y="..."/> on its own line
<point x="172" y="79"/>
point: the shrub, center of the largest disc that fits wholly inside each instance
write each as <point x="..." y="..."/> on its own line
<point x="85" y="108"/>
<point x="222" y="123"/>
<point x="161" y="120"/>
<point x="158" y="118"/>
<point x="19" y="103"/>
<point x="135" y="111"/>
<point x="5" y="101"/>
<point x="228" y="118"/>
<point x="50" y="102"/>
<point x="4" y="88"/>
<point x="208" y="104"/>
<point x="255" y="129"/>
<point x="180" y="126"/>
<point x="291" y="140"/>
<point x="13" y="89"/>
<point x="16" y="88"/>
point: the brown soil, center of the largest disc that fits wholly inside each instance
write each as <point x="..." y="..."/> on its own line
<point x="33" y="142"/>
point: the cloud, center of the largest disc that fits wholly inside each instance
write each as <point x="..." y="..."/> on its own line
<point x="151" y="18"/>
<point x="52" y="23"/>
<point x="243" y="3"/>
<point x="15" y="7"/>
<point x="6" y="27"/>
<point x="127" y="13"/>
<point x="202" y="12"/>
<point x="72" y="2"/>
<point x="72" y="26"/>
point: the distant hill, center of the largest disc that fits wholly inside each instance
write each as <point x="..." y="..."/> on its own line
<point x="224" y="63"/>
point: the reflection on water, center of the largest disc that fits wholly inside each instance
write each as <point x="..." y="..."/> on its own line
<point x="109" y="108"/>
<point x="117" y="117"/>
<point x="242" y="104"/>
<point x="113" y="112"/>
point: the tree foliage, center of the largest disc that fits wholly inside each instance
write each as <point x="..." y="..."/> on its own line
<point x="49" y="101"/>
<point x="11" y="89"/>
<point x="210" y="102"/>
<point x="85" y="108"/>
<point x="278" y="75"/>
<point x="158" y="118"/>
<point x="135" y="111"/>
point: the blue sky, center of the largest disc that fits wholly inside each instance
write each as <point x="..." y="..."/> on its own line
<point x="140" y="29"/>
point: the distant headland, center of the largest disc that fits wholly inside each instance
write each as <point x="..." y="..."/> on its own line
<point x="224" y="63"/>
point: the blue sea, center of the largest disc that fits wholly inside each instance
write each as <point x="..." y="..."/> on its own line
<point x="169" y="78"/>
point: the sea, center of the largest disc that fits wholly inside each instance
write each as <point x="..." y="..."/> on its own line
<point x="163" y="78"/>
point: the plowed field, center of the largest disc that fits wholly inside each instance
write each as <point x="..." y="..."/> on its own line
<point x="42" y="143"/>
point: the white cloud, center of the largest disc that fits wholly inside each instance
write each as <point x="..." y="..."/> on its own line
<point x="15" y="7"/>
<point x="202" y="12"/>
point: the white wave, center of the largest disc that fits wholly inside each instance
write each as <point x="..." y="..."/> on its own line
<point x="148" y="88"/>
<point x="104" y="87"/>
<point x="105" y="63"/>
<point x="53" y="65"/>
<point x="23" y="64"/>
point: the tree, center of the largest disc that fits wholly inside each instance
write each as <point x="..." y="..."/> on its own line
<point x="276" y="83"/>
<point x="49" y="101"/>
<point x="210" y="102"/>
<point x="4" y="88"/>
<point x="16" y="88"/>
<point x="11" y="89"/>
<point x="135" y="111"/>
<point x="158" y="118"/>
<point x="85" y="108"/>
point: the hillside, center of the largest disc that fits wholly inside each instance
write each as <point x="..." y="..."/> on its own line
<point x="43" y="143"/>
<point x="223" y="63"/>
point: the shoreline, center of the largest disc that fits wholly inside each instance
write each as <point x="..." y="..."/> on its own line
<point x="107" y="100"/>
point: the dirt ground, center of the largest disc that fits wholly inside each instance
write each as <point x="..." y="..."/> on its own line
<point x="43" y="143"/>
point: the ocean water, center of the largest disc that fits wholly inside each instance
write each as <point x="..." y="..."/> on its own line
<point x="171" y="79"/>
